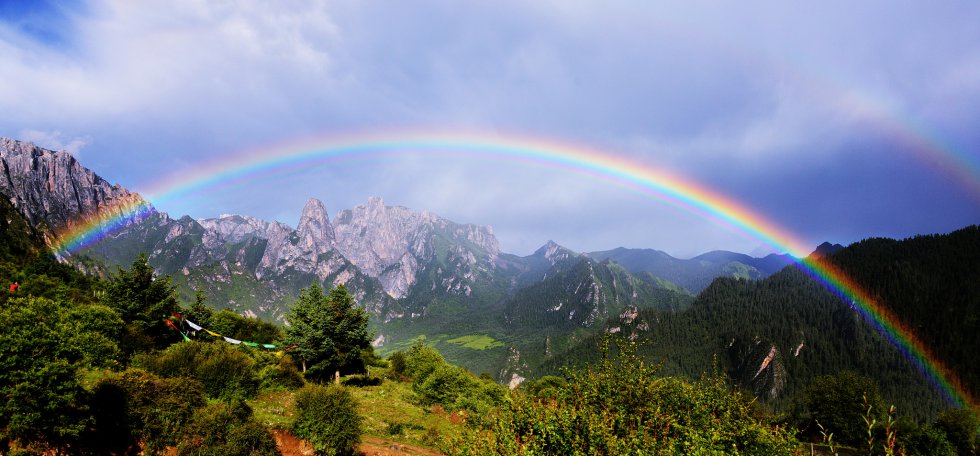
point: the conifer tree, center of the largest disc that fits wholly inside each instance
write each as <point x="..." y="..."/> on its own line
<point x="329" y="331"/>
<point x="143" y="301"/>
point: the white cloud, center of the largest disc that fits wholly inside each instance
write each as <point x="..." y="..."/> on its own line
<point x="55" y="140"/>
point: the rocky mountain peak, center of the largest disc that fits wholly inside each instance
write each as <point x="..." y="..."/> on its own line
<point x="314" y="225"/>
<point x="51" y="189"/>
<point x="554" y="252"/>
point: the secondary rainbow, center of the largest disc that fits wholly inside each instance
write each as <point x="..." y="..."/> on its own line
<point x="594" y="163"/>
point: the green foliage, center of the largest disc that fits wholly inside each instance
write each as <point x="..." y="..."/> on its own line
<point x="361" y="380"/>
<point x="421" y="360"/>
<point x="222" y="429"/>
<point x="547" y="387"/>
<point x="619" y="406"/>
<point x="454" y="388"/>
<point x="961" y="427"/>
<point x="396" y="366"/>
<point x="225" y="370"/>
<point x="281" y="375"/>
<point x="200" y="312"/>
<point x="329" y="332"/>
<point x="840" y="404"/>
<point x="138" y="406"/>
<point x="327" y="417"/>
<point x="143" y="301"/>
<point x="42" y="346"/>
<point x="229" y="323"/>
<point x="925" y="441"/>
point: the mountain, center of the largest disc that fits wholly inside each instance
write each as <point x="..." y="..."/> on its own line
<point x="696" y="273"/>
<point x="416" y="273"/>
<point x="54" y="192"/>
<point x="775" y="335"/>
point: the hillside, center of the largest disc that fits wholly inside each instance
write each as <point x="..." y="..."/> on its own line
<point x="775" y="335"/>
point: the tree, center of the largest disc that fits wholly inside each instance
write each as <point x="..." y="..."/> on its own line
<point x="42" y="403"/>
<point x="200" y="311"/>
<point x="840" y="403"/>
<point x="144" y="301"/>
<point x="329" y="332"/>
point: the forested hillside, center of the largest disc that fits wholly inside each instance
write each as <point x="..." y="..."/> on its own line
<point x="774" y="336"/>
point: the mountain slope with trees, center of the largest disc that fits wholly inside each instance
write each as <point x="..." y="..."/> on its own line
<point x="774" y="336"/>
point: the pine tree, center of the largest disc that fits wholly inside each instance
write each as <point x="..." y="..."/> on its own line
<point x="143" y="301"/>
<point x="329" y="331"/>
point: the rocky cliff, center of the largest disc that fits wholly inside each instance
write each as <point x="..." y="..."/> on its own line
<point x="55" y="193"/>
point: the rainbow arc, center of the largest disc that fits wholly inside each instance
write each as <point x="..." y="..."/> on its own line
<point x="604" y="166"/>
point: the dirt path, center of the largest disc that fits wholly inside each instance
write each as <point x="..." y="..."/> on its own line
<point x="290" y="445"/>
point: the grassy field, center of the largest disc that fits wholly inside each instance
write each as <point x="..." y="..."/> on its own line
<point x="477" y="342"/>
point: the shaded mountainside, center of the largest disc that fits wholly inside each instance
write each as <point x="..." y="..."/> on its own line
<point x="775" y="335"/>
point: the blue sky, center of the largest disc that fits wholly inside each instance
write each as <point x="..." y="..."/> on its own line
<point x="837" y="121"/>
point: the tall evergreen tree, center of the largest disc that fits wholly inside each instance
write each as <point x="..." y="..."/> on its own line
<point x="144" y="301"/>
<point x="329" y="331"/>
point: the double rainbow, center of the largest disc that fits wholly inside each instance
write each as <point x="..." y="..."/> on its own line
<point x="604" y="166"/>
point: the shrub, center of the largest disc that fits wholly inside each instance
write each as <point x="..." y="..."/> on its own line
<point x="396" y="367"/>
<point x="548" y="387"/>
<point x="327" y="417"/>
<point x="283" y="374"/>
<point x="361" y="380"/>
<point x="619" y="406"/>
<point x="421" y="360"/>
<point x="225" y="371"/>
<point x="226" y="429"/>
<point x="961" y="427"/>
<point x="839" y="403"/>
<point x="445" y="385"/>
<point x="139" y="406"/>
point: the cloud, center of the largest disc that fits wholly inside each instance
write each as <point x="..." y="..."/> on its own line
<point x="54" y="140"/>
<point x="749" y="99"/>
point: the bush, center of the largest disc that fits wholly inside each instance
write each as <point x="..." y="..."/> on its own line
<point x="961" y="427"/>
<point x="839" y="403"/>
<point x="396" y="367"/>
<point x="547" y="387"/>
<point x="226" y="429"/>
<point x="327" y="417"/>
<point x="282" y="375"/>
<point x="421" y="360"/>
<point x="137" y="406"/>
<point x="225" y="370"/>
<point x="361" y="380"/>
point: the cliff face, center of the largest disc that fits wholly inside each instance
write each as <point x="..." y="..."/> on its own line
<point x="394" y="244"/>
<point x="55" y="193"/>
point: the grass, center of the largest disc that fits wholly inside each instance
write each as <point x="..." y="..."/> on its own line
<point x="388" y="410"/>
<point x="274" y="409"/>
<point x="477" y="342"/>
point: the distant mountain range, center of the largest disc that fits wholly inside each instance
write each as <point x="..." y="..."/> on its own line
<point x="420" y="275"/>
<point x="415" y="272"/>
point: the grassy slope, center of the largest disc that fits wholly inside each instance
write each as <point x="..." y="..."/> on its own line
<point x="384" y="408"/>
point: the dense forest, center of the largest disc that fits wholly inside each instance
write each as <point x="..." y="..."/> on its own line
<point x="120" y="365"/>
<point x="932" y="282"/>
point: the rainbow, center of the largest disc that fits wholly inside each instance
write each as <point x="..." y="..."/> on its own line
<point x="594" y="163"/>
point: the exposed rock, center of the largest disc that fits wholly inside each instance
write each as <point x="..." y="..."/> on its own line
<point x="55" y="193"/>
<point x="394" y="244"/>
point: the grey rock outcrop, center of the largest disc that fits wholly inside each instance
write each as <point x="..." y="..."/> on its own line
<point x="394" y="243"/>
<point x="55" y="193"/>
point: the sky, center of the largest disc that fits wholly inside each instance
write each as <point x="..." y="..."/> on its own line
<point x="835" y="121"/>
